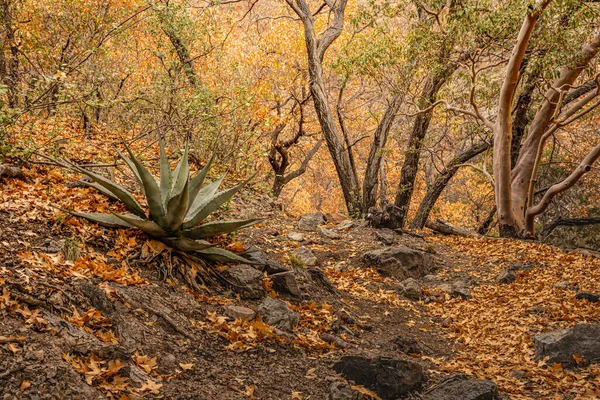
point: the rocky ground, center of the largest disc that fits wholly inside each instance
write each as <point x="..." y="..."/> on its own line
<point x="332" y="309"/>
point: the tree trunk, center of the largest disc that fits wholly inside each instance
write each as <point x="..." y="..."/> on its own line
<point x="412" y="154"/>
<point x="9" y="65"/>
<point x="316" y="48"/>
<point x="375" y="160"/>
<point x="523" y="175"/>
<point x="434" y="192"/>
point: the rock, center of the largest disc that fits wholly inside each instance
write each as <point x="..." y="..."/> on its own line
<point x="408" y="345"/>
<point x="518" y="266"/>
<point x="335" y="218"/>
<point x="389" y="378"/>
<point x="342" y="391"/>
<point x="462" y="388"/>
<point x="538" y="309"/>
<point x="305" y="255"/>
<point x="410" y="289"/>
<point x="309" y="222"/>
<point x="518" y="374"/>
<point x="387" y="217"/>
<point x="56" y="299"/>
<point x="239" y="312"/>
<point x="264" y="263"/>
<point x="506" y="276"/>
<point x="461" y="292"/>
<point x="278" y="314"/>
<point x="591" y="297"/>
<point x="296" y="236"/>
<point x="561" y="345"/>
<point x="385" y="236"/>
<point x="326" y="233"/>
<point x="285" y="282"/>
<point x="247" y="281"/>
<point x="345" y="225"/>
<point x="400" y="262"/>
<point x="566" y="285"/>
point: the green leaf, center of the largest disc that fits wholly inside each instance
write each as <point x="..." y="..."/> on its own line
<point x="151" y="190"/>
<point x="165" y="173"/>
<point x="118" y="191"/>
<point x="205" y="194"/>
<point x="198" y="180"/>
<point x="177" y="209"/>
<point x="185" y="244"/>
<point x="131" y="166"/>
<point x="108" y="220"/>
<point x="101" y="189"/>
<point x="181" y="174"/>
<point x="150" y="227"/>
<point x="218" y="228"/>
<point x="223" y="256"/>
<point x="212" y="204"/>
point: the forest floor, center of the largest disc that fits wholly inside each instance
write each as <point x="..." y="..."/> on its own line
<point x="91" y="313"/>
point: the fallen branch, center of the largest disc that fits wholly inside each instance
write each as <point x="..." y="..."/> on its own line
<point x="449" y="229"/>
<point x="12" y="172"/>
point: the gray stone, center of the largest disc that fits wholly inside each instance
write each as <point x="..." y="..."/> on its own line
<point x="305" y="255"/>
<point x="239" y="312"/>
<point x="263" y="262"/>
<point x="389" y="378"/>
<point x="309" y="222"/>
<point x="296" y="236"/>
<point x="566" y="285"/>
<point x="591" y="297"/>
<point x="506" y="276"/>
<point x="335" y="218"/>
<point x="385" y="236"/>
<point x="247" y="281"/>
<point x="462" y="388"/>
<point x="285" y="282"/>
<point x="410" y="289"/>
<point x="461" y="292"/>
<point x="345" y="225"/>
<point x="340" y="390"/>
<point x="56" y="299"/>
<point x="326" y="233"/>
<point x="560" y="346"/>
<point x="408" y="345"/>
<point x="278" y="314"/>
<point x="400" y="262"/>
<point x="518" y="374"/>
<point x="518" y="266"/>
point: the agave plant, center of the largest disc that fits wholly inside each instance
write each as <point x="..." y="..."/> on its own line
<point x="177" y="206"/>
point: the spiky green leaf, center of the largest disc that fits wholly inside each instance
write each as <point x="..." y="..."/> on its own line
<point x="131" y="166"/>
<point x="203" y="196"/>
<point x="181" y="174"/>
<point x="218" y="228"/>
<point x="165" y="173"/>
<point x="185" y="244"/>
<point x="108" y="220"/>
<point x="101" y="189"/>
<point x="151" y="190"/>
<point x="223" y="256"/>
<point x="118" y="191"/>
<point x="198" y="180"/>
<point x="216" y="201"/>
<point x="149" y="227"/>
<point x="177" y="209"/>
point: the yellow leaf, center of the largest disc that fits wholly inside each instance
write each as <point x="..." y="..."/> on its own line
<point x="25" y="384"/>
<point x="186" y="367"/>
<point x="151" y="386"/>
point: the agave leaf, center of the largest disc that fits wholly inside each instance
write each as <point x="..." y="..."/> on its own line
<point x="204" y="195"/>
<point x="146" y="225"/>
<point x="205" y="209"/>
<point x="185" y="244"/>
<point x="218" y="228"/>
<point x="198" y="180"/>
<point x="165" y="173"/>
<point x="223" y="256"/>
<point x="101" y="189"/>
<point x="151" y="190"/>
<point x="181" y="174"/>
<point x="177" y="209"/>
<point x="131" y="166"/>
<point x="118" y="191"/>
<point x="108" y="220"/>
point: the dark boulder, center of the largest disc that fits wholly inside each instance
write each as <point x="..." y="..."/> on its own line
<point x="309" y="222"/>
<point x="263" y="262"/>
<point x="285" y="282"/>
<point x="400" y="262"/>
<point x="246" y="280"/>
<point x="389" y="378"/>
<point x="462" y="388"/>
<point x="560" y="346"/>
<point x="591" y="297"/>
